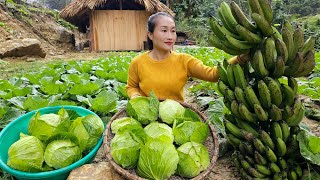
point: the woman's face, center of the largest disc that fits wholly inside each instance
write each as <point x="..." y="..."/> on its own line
<point x="164" y="35"/>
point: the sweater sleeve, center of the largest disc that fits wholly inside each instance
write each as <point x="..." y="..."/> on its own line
<point x="197" y="69"/>
<point x="132" y="86"/>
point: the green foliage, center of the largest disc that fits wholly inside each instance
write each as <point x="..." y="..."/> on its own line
<point x="2" y="24"/>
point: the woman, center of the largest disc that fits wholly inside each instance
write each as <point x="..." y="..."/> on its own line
<point x="163" y="70"/>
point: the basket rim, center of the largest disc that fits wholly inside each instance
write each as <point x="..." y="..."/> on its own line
<point x="131" y="176"/>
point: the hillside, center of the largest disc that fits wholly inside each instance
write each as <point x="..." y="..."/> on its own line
<point x="36" y="22"/>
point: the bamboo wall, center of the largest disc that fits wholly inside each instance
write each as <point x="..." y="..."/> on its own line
<point x="118" y="30"/>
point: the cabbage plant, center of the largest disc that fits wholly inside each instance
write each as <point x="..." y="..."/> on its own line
<point x="169" y="110"/>
<point x="46" y="125"/>
<point x="126" y="145"/>
<point x="62" y="153"/>
<point x="143" y="109"/>
<point x="156" y="130"/>
<point x="26" y="154"/>
<point x="190" y="131"/>
<point x="88" y="130"/>
<point x="120" y="123"/>
<point x="158" y="160"/>
<point x="193" y="158"/>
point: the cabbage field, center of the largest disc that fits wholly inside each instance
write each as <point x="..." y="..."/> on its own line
<point x="99" y="85"/>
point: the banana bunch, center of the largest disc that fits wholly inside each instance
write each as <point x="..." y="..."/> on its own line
<point x="264" y="153"/>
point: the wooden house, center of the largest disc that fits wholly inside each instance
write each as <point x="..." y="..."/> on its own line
<point x="114" y="25"/>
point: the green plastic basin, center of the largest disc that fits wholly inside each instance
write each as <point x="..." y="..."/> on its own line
<point x="10" y="134"/>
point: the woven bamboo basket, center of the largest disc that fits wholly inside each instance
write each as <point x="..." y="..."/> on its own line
<point x="211" y="143"/>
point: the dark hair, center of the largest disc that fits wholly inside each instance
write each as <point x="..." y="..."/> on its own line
<point x="152" y="24"/>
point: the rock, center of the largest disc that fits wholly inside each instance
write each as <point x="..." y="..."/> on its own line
<point x="21" y="47"/>
<point x="64" y="35"/>
<point x="96" y="171"/>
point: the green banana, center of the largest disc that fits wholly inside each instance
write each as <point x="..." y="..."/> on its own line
<point x="246" y="114"/>
<point x="277" y="176"/>
<point x="279" y="67"/>
<point x="275" y="131"/>
<point x="263" y="24"/>
<point x="264" y="94"/>
<point x="258" y="64"/>
<point x="248" y="35"/>
<point x="233" y="129"/>
<point x="230" y="95"/>
<point x="235" y="108"/>
<point x="275" y="91"/>
<point x="238" y="44"/>
<point x="239" y="76"/>
<point x="216" y="42"/>
<point x="294" y="67"/>
<point x="248" y="136"/>
<point x="235" y="160"/>
<point x="246" y="126"/>
<point x="292" y="82"/>
<point x="266" y="9"/>
<point x="242" y="149"/>
<point x="255" y="173"/>
<point x="245" y="164"/>
<point x="287" y="112"/>
<point x="259" y="158"/>
<point x="220" y="31"/>
<point x="308" y="45"/>
<point x="225" y="63"/>
<point x="241" y="17"/>
<point x="287" y="24"/>
<point x="276" y="33"/>
<point x="249" y="148"/>
<point x="269" y="52"/>
<point x="250" y="160"/>
<point x="257" y="143"/>
<point x="260" y="112"/>
<point x="255" y="7"/>
<point x="281" y="147"/>
<point x="292" y="175"/>
<point x="282" y="49"/>
<point x="287" y="37"/>
<point x="266" y="139"/>
<point x="251" y="97"/>
<point x="224" y="21"/>
<point x="244" y="174"/>
<point x="227" y="103"/>
<point x="298" y="40"/>
<point x="296" y="118"/>
<point x="308" y="65"/>
<point x="230" y="76"/>
<point x="288" y="95"/>
<point x="271" y="155"/>
<point x="298" y="170"/>
<point x="274" y="167"/>
<point x="240" y="96"/>
<point x="263" y="169"/>
<point x="285" y="131"/>
<point x="233" y="140"/>
<point x="222" y="73"/>
<point x="275" y="113"/>
<point x="228" y="16"/>
<point x="282" y="163"/>
<point x="222" y="87"/>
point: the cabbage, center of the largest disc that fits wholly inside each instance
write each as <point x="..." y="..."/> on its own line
<point x="88" y="130"/>
<point x="156" y="130"/>
<point x="46" y="125"/>
<point x="193" y="158"/>
<point x="62" y="153"/>
<point x="158" y="160"/>
<point x="125" y="146"/>
<point x="143" y="109"/>
<point x="169" y="110"/>
<point x="190" y="131"/>
<point x="123" y="122"/>
<point x="26" y="154"/>
<point x="309" y="146"/>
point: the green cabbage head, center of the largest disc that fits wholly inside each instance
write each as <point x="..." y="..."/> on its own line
<point x="156" y="130"/>
<point x="88" y="130"/>
<point x="190" y="131"/>
<point x="26" y="154"/>
<point x="158" y="160"/>
<point x="46" y="125"/>
<point x="169" y="110"/>
<point x="126" y="145"/>
<point x="143" y="109"/>
<point x="120" y="123"/>
<point x="193" y="158"/>
<point x="62" y="153"/>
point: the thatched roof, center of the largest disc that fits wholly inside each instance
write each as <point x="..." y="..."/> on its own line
<point x="77" y="12"/>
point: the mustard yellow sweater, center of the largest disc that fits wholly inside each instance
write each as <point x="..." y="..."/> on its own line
<point x="167" y="77"/>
